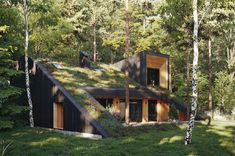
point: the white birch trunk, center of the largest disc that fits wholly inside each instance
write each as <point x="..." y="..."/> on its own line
<point x="94" y="43"/>
<point x="31" y="120"/>
<point x="188" y="138"/>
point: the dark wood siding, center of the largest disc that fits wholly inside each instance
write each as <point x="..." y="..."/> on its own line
<point x="45" y="91"/>
<point x="138" y="64"/>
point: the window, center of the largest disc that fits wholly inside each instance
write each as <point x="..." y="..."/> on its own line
<point x="153" y="77"/>
<point x="106" y="103"/>
<point x="135" y="110"/>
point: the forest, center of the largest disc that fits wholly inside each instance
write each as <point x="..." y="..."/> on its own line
<point x="58" y="30"/>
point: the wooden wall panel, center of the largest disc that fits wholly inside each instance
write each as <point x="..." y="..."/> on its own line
<point x="160" y="63"/>
<point x="182" y="116"/>
<point x="162" y="111"/>
<point x="58" y="115"/>
<point x="54" y="115"/>
<point x="155" y="61"/>
<point x="116" y="104"/>
<point x="164" y="75"/>
<point x="145" y="110"/>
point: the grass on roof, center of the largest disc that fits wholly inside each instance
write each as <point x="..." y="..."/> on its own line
<point x="215" y="140"/>
<point x="102" y="75"/>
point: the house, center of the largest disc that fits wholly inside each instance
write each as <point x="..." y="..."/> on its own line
<point x="150" y="69"/>
<point x="77" y="98"/>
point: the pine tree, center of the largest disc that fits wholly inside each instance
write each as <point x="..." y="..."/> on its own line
<point x="8" y="93"/>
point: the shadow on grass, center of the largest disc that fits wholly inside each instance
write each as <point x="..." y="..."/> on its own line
<point x="148" y="140"/>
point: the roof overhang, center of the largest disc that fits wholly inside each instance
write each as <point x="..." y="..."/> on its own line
<point x="135" y="93"/>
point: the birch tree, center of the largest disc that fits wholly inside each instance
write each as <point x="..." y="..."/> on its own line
<point x="188" y="138"/>
<point x="26" y="15"/>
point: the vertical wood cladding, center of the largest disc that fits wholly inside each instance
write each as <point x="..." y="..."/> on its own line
<point x="160" y="63"/>
<point x="162" y="111"/>
<point x="145" y="110"/>
<point x="42" y="100"/>
<point x="58" y="114"/>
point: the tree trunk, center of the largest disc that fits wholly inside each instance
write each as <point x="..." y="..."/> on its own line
<point x="230" y="53"/>
<point x="210" y="77"/>
<point x="31" y="120"/>
<point x="188" y="82"/>
<point x="111" y="56"/>
<point x="170" y="81"/>
<point x="94" y="43"/>
<point x="127" y="46"/>
<point x="188" y="138"/>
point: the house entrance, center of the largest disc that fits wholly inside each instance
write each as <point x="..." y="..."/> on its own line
<point x="135" y="110"/>
<point x="152" y="110"/>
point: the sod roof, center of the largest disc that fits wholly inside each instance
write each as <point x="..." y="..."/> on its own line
<point x="75" y="79"/>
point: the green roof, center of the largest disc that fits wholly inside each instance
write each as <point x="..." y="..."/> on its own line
<point x="101" y="75"/>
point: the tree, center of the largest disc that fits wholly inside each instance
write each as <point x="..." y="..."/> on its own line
<point x="10" y="48"/>
<point x="188" y="138"/>
<point x="26" y="15"/>
<point x="127" y="46"/>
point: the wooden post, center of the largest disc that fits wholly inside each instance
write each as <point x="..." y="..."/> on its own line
<point x="145" y="110"/>
<point x="127" y="46"/>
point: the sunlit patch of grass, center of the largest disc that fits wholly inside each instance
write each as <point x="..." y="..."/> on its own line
<point x="50" y="140"/>
<point x="170" y="140"/>
<point x="148" y="140"/>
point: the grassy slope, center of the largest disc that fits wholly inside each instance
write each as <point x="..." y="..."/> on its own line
<point x="218" y="139"/>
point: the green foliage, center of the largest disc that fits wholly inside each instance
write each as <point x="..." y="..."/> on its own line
<point x="202" y="87"/>
<point x="9" y="49"/>
<point x="224" y="92"/>
<point x="59" y="29"/>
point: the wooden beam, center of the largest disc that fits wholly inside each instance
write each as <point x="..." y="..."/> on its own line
<point x="162" y="111"/>
<point x="145" y="110"/>
<point x="116" y="104"/>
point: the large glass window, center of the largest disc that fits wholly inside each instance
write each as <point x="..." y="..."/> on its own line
<point x="135" y="110"/>
<point x="153" y="77"/>
<point x="152" y="104"/>
<point x="106" y="103"/>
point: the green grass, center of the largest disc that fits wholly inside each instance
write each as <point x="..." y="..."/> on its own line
<point x="101" y="75"/>
<point x="217" y="139"/>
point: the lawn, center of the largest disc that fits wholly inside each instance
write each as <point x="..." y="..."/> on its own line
<point x="217" y="139"/>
